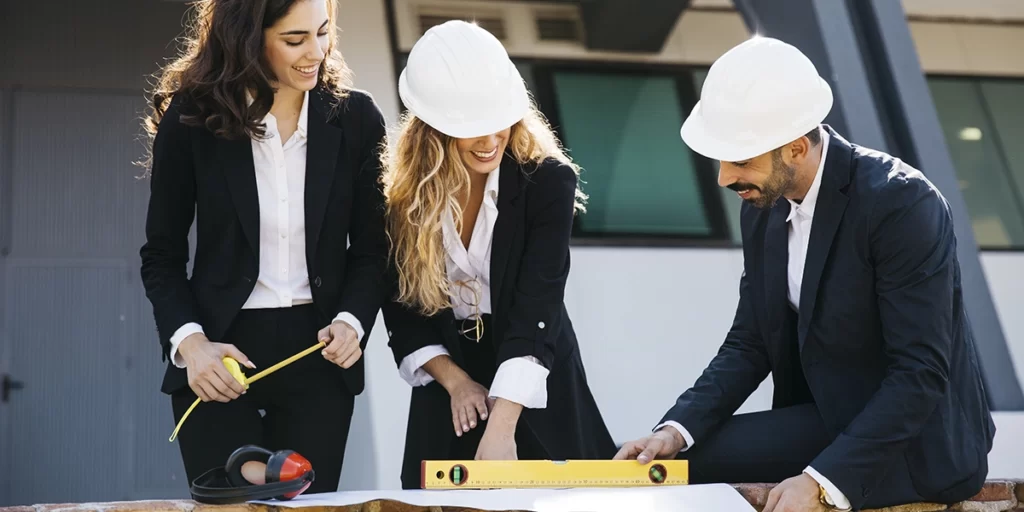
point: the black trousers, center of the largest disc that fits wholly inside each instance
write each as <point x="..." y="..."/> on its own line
<point x="304" y="406"/>
<point x="771" y="446"/>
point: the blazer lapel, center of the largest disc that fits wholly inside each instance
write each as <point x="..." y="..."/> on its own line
<point x="776" y="264"/>
<point x="324" y="141"/>
<point x="828" y="212"/>
<point x="509" y="220"/>
<point x="240" y="172"/>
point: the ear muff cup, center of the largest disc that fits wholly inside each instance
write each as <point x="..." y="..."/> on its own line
<point x="286" y="466"/>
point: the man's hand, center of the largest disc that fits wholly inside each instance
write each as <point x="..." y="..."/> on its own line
<point x="663" y="444"/>
<point x="207" y="375"/>
<point x="797" y="494"/>
<point x="342" y="344"/>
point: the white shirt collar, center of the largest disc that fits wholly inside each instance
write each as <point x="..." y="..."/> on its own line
<point x="303" y="113"/>
<point x="491" y="188"/>
<point x="806" y="206"/>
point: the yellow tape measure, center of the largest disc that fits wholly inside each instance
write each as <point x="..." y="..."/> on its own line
<point x="498" y="474"/>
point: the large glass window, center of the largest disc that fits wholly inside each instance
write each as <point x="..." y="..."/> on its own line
<point x="983" y="123"/>
<point x="622" y="127"/>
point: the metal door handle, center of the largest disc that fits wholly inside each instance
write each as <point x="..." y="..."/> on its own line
<point x="7" y="386"/>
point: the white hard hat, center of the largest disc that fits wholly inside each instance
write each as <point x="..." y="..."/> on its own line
<point x="758" y="96"/>
<point x="459" y="80"/>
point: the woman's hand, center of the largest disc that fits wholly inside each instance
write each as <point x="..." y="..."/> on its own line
<point x="207" y="375"/>
<point x="342" y="344"/>
<point x="469" y="400"/>
<point x="499" y="439"/>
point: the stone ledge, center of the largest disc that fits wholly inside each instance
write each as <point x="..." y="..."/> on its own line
<point x="995" y="496"/>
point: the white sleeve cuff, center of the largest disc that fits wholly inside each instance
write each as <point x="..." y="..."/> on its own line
<point x="411" y="369"/>
<point x="347" y="317"/>
<point x="832" y="492"/>
<point x="183" y="332"/>
<point x="679" y="428"/>
<point x="522" y="380"/>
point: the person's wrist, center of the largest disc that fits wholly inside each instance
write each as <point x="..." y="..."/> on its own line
<point x="673" y="436"/>
<point x="504" y="415"/>
<point x="187" y="345"/>
<point x="452" y="379"/>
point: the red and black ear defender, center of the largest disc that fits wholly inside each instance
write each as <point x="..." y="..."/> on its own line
<point x="288" y="475"/>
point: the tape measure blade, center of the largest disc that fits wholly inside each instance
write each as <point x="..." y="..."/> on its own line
<point x="475" y="474"/>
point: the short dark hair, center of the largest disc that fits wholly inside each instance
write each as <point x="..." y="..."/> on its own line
<point x="814" y="136"/>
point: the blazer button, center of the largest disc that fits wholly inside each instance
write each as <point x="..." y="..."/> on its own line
<point x="317" y="281"/>
<point x="540" y="325"/>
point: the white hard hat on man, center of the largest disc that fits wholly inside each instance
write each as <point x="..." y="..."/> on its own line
<point x="760" y="95"/>
<point x="473" y="92"/>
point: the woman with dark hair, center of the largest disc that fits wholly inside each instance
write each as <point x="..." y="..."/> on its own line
<point x="259" y="137"/>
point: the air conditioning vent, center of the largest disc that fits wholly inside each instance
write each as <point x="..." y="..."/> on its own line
<point x="559" y="29"/>
<point x="495" y="25"/>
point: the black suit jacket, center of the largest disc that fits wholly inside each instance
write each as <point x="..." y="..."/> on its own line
<point x="196" y="175"/>
<point x="883" y="336"/>
<point x="529" y="268"/>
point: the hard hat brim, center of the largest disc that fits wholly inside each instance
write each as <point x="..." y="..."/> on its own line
<point x="505" y="114"/>
<point x="699" y="138"/>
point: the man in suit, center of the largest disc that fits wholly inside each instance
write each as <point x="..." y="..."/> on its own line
<point x="850" y="297"/>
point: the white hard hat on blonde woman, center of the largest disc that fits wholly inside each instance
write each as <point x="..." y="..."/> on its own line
<point x="758" y="96"/>
<point x="460" y="81"/>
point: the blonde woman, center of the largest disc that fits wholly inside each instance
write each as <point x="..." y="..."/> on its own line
<point x="480" y="206"/>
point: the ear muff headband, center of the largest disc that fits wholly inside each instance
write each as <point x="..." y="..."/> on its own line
<point x="204" y="491"/>
<point x="247" y="453"/>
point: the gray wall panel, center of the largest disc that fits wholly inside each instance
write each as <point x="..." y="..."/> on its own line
<point x="108" y="44"/>
<point x="64" y="319"/>
<point x="74" y="178"/>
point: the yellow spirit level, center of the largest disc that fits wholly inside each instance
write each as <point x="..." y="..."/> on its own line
<point x="498" y="474"/>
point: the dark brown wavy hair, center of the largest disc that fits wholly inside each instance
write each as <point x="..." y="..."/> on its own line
<point x="222" y="58"/>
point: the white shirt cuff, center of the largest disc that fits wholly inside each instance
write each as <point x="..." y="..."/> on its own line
<point x="183" y="332"/>
<point x="832" y="492"/>
<point x="522" y="380"/>
<point x="347" y="317"/>
<point x="411" y="369"/>
<point x="682" y="431"/>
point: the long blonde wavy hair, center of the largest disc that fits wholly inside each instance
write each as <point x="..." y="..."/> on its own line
<point x="423" y="175"/>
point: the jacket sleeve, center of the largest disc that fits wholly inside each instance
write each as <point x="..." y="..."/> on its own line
<point x="365" y="286"/>
<point x="169" y="217"/>
<point x="535" y="315"/>
<point x="913" y="251"/>
<point x="735" y="372"/>
<point x="408" y="330"/>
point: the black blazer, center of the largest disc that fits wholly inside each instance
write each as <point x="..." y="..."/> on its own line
<point x="197" y="175"/>
<point x="883" y="336"/>
<point x="529" y="267"/>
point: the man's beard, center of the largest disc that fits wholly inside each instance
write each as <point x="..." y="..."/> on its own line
<point x="777" y="183"/>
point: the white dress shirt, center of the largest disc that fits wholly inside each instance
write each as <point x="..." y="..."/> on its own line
<point x="801" y="216"/>
<point x="522" y="380"/>
<point x="283" y="279"/>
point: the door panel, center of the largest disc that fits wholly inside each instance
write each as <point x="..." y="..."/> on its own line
<point x="79" y="328"/>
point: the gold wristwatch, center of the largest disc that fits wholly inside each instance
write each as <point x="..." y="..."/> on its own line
<point x="825" y="499"/>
